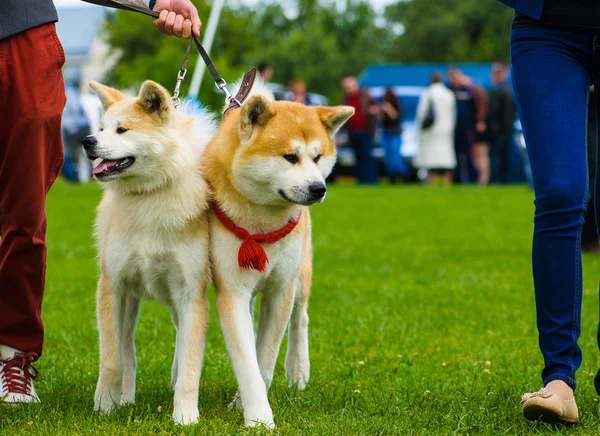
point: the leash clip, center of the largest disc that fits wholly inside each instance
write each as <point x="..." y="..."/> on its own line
<point x="222" y="86"/>
<point x="180" y="76"/>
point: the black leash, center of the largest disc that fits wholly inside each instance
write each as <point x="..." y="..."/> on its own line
<point x="220" y="83"/>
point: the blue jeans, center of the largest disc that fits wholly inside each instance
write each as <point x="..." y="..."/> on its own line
<point x="552" y="72"/>
<point x="366" y="168"/>
<point x="394" y="162"/>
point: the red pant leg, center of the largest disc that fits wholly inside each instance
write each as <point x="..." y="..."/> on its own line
<point x="32" y="98"/>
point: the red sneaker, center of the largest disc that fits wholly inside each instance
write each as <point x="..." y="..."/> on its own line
<point x="16" y="377"/>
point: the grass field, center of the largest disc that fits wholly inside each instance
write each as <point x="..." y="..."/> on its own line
<point x="421" y="322"/>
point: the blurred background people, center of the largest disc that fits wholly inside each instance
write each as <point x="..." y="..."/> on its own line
<point x="265" y="70"/>
<point x="500" y="121"/>
<point x="361" y="129"/>
<point x="481" y="145"/>
<point x="75" y="126"/>
<point x="391" y="141"/>
<point x="436" y="141"/>
<point x="467" y="115"/>
<point x="298" y="93"/>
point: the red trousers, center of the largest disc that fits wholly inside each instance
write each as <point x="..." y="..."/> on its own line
<point x="32" y="98"/>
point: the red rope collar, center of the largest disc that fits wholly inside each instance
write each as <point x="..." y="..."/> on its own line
<point x="251" y="254"/>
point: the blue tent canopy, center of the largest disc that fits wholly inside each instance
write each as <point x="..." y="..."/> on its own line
<point x="418" y="75"/>
<point x="408" y="81"/>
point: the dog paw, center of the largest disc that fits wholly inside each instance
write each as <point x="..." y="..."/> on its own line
<point x="186" y="417"/>
<point x="236" y="403"/>
<point x="105" y="402"/>
<point x="297" y="373"/>
<point x="127" y="400"/>
<point x="257" y="418"/>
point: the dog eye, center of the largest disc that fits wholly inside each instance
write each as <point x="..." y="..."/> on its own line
<point x="121" y="130"/>
<point x="291" y="158"/>
<point x="317" y="159"/>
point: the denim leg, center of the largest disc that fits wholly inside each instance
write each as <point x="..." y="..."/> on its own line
<point x="596" y="200"/>
<point x="551" y="72"/>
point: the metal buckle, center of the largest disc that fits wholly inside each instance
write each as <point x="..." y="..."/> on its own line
<point x="180" y="76"/>
<point x="222" y="86"/>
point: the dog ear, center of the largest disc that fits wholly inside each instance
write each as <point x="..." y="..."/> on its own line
<point x="334" y="117"/>
<point x="255" y="113"/>
<point x="106" y="94"/>
<point x="155" y="99"/>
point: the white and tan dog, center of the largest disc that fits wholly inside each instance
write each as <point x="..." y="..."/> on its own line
<point x="266" y="164"/>
<point x="152" y="232"/>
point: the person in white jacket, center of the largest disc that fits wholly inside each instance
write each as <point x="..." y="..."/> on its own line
<point x="436" y="140"/>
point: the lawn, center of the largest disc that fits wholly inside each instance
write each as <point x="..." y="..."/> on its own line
<point x="421" y="322"/>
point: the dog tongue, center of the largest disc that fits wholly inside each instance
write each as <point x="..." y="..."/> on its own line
<point x="103" y="166"/>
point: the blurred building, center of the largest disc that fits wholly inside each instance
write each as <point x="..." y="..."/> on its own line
<point x="79" y="28"/>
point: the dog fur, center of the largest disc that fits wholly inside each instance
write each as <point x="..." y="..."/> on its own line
<point x="261" y="191"/>
<point x="152" y="233"/>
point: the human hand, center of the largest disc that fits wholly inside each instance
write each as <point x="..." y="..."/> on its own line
<point x="480" y="127"/>
<point x="177" y="17"/>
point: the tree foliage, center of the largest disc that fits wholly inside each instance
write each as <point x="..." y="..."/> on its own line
<point x="317" y="41"/>
<point x="320" y="45"/>
<point x="450" y="31"/>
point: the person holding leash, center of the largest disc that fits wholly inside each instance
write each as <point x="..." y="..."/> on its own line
<point x="555" y="56"/>
<point x="32" y="98"/>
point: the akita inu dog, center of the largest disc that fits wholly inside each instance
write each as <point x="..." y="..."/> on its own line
<point x="152" y="233"/>
<point x="266" y="164"/>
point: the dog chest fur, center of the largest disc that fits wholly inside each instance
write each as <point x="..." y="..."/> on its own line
<point x="152" y="256"/>
<point x="284" y="258"/>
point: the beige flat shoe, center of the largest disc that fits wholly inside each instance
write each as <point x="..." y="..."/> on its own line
<point x="544" y="405"/>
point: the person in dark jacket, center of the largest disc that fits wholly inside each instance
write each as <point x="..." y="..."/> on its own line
<point x="391" y="141"/>
<point x="361" y="129"/>
<point x="554" y="57"/>
<point x="468" y="114"/>
<point x="32" y="97"/>
<point x="502" y="111"/>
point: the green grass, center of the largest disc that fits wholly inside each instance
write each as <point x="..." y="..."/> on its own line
<point x="422" y="322"/>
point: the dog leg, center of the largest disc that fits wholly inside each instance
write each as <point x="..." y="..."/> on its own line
<point x="238" y="332"/>
<point x="108" y="390"/>
<point x="130" y="309"/>
<point x="174" y="367"/>
<point x="252" y="305"/>
<point x="237" y="400"/>
<point x="297" y="363"/>
<point x="191" y="340"/>
<point x="275" y="310"/>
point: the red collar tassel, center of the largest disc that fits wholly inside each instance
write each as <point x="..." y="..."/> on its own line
<point x="251" y="254"/>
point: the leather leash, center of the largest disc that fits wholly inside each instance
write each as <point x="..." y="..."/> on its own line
<point x="220" y="83"/>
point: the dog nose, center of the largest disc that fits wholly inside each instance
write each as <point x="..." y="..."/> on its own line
<point x="89" y="142"/>
<point x="317" y="189"/>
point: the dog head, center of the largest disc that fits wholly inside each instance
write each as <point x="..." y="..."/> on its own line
<point x="285" y="150"/>
<point x="137" y="142"/>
